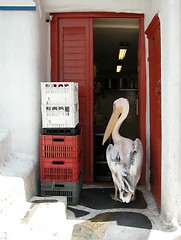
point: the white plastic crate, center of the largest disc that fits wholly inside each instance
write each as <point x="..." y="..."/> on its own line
<point x="60" y="116"/>
<point x="55" y="93"/>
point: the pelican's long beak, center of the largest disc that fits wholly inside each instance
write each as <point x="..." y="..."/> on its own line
<point x="112" y="122"/>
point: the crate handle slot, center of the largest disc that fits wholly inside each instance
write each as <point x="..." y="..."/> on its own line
<point x="59" y="185"/>
<point x="58" y="140"/>
<point x="58" y="162"/>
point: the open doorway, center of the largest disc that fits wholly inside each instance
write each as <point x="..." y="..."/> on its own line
<point x="109" y="34"/>
<point x="72" y="60"/>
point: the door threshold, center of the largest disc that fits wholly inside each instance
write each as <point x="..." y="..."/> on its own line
<point x="98" y="185"/>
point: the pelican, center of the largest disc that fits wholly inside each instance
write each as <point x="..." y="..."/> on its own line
<point x="125" y="157"/>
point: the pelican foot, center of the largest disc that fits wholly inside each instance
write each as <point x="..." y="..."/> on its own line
<point x="116" y="198"/>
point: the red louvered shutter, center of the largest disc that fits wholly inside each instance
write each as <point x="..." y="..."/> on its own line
<point x="72" y="61"/>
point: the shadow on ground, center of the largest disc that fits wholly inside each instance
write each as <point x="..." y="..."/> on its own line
<point x="114" y="226"/>
<point x="109" y="225"/>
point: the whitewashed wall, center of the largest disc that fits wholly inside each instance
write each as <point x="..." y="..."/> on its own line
<point x="94" y="5"/>
<point x="17" y="3"/>
<point x="171" y="111"/>
<point x="24" y="57"/>
<point x="23" y="64"/>
<point x="169" y="13"/>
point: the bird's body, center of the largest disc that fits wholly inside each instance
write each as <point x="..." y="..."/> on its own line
<point x="125" y="157"/>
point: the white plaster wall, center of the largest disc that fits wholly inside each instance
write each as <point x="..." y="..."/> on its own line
<point x="23" y="64"/>
<point x="93" y="5"/>
<point x="169" y="13"/>
<point x="17" y="3"/>
<point x="171" y="171"/>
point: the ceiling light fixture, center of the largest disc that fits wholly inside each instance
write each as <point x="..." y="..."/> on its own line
<point x="118" y="68"/>
<point x="123" y="50"/>
<point x="122" y="53"/>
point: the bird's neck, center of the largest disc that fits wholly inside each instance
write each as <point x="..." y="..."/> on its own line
<point x="115" y="134"/>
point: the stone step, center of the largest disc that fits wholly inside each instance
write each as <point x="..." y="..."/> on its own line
<point x="41" y="217"/>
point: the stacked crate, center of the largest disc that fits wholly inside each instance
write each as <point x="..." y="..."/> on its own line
<point x="60" y="141"/>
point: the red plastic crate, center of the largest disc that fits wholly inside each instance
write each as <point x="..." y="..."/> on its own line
<point x="60" y="170"/>
<point x="60" y="146"/>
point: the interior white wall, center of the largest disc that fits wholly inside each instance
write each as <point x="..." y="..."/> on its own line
<point x="169" y="13"/>
<point x="23" y="64"/>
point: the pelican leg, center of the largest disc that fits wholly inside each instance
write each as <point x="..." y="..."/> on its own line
<point x="115" y="197"/>
<point x="133" y="197"/>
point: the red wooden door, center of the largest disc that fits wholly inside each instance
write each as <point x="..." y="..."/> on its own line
<point x="153" y="33"/>
<point x="72" y="61"/>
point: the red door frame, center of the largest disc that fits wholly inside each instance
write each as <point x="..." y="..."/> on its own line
<point x="141" y="69"/>
<point x="153" y="34"/>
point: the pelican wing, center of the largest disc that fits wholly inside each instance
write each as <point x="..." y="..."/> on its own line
<point x="125" y="169"/>
<point x="114" y="161"/>
<point x="132" y="164"/>
<point x="119" y="173"/>
<point x="136" y="161"/>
